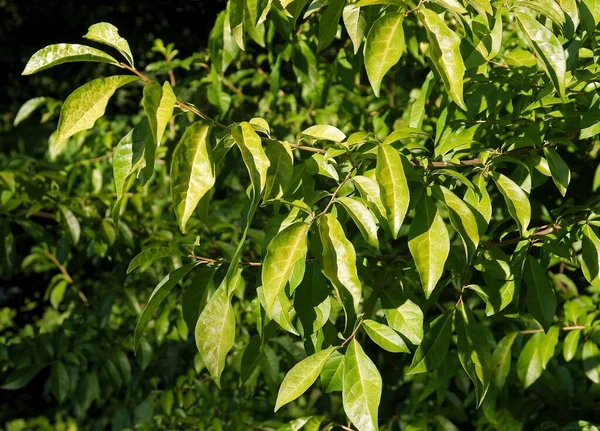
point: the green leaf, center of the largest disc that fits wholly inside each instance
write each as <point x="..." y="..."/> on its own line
<point x="461" y="217"/>
<point x="21" y="376"/>
<point x="332" y="374"/>
<point x="385" y="337"/>
<point x="590" y="13"/>
<point x="159" y="293"/>
<point x="444" y="51"/>
<point x="395" y="195"/>
<point x="383" y="48"/>
<point x="473" y="351"/>
<point x="417" y="109"/>
<point x="108" y="34"/>
<point x="59" y="381"/>
<point x="72" y="223"/>
<point x="403" y="315"/>
<point x="215" y="330"/>
<point x="253" y="154"/>
<point x="28" y="108"/>
<point x="328" y="23"/>
<point x="86" y="104"/>
<point x="301" y="377"/>
<point x="433" y="349"/>
<point x="195" y="295"/>
<point x="541" y="298"/>
<point x="192" y="171"/>
<point x="325" y="132"/>
<point x="570" y="344"/>
<point x="479" y="200"/>
<point x="591" y="361"/>
<point x="339" y="260"/>
<point x="535" y="356"/>
<point x="561" y="174"/>
<point x="65" y="53"/>
<point x="355" y="23"/>
<point x="236" y="22"/>
<point x="281" y="169"/>
<point x="311" y="300"/>
<point x="363" y="217"/>
<point x="370" y="192"/>
<point x="362" y="387"/>
<point x="158" y="105"/>
<point x="429" y="243"/>
<point x="283" y="252"/>
<point x="483" y="7"/>
<point x="501" y="359"/>
<point x="590" y="256"/>
<point x="128" y="156"/>
<point x="250" y="359"/>
<point x="151" y="254"/>
<point x="548" y="50"/>
<point x="516" y="200"/>
<point x="282" y="312"/>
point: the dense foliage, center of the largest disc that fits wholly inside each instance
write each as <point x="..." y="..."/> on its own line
<point x="379" y="214"/>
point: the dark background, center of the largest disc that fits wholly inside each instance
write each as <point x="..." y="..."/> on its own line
<point x="27" y="26"/>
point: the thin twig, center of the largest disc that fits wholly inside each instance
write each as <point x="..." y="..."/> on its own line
<point x="62" y="269"/>
<point x="566" y="328"/>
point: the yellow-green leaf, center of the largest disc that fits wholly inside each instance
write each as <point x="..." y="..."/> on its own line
<point x="53" y="55"/>
<point x="355" y="23"/>
<point x="433" y="349"/>
<point x="395" y="195"/>
<point x="561" y="174"/>
<point x="253" y="154"/>
<point x="363" y="217"/>
<point x="516" y="200"/>
<point x="385" y="337"/>
<point x="590" y="256"/>
<point x="108" y="34"/>
<point x="403" y="315"/>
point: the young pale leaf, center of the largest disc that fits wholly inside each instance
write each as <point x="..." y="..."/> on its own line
<point x="501" y="359"/>
<point x="444" y="51"/>
<point x="158" y="105"/>
<point x="215" y="331"/>
<point x="355" y="23"/>
<point x="570" y="344"/>
<point x="302" y="376"/>
<point x="433" y="349"/>
<point x="383" y="48"/>
<point x="548" y="49"/>
<point x="253" y="154"/>
<point x="541" y="298"/>
<point x="86" y="104"/>
<point x="324" y="132"/>
<point x="362" y="387"/>
<point x="285" y="249"/>
<point x="72" y="223"/>
<point x="473" y="351"/>
<point x="363" y="217"/>
<point x="281" y="169"/>
<point x="429" y="243"/>
<point x="339" y="259"/>
<point x="385" y="337"/>
<point x="158" y="295"/>
<point x="516" y="200"/>
<point x="332" y="375"/>
<point x="480" y="201"/>
<point x="395" y="195"/>
<point x="591" y="361"/>
<point x="28" y="108"/>
<point x="65" y="53"/>
<point x="590" y="256"/>
<point x="561" y="174"/>
<point x="461" y="217"/>
<point x="328" y="23"/>
<point x="370" y="192"/>
<point x="403" y="315"/>
<point x="192" y="171"/>
<point x="236" y="22"/>
<point x="108" y="34"/>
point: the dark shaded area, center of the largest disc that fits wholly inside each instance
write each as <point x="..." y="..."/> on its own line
<point x="31" y="25"/>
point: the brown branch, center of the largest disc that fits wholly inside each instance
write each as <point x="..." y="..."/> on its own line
<point x="62" y="269"/>
<point x="542" y="231"/>
<point x="566" y="328"/>
<point x="93" y="159"/>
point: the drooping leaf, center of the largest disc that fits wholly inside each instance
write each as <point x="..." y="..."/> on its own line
<point x="108" y="34"/>
<point x="516" y="200"/>
<point x="417" y="109"/>
<point x="480" y="201"/>
<point x="328" y="23"/>
<point x="370" y="192"/>
<point x="284" y="251"/>
<point x="302" y="376"/>
<point x="535" y="356"/>
<point x="541" y="298"/>
<point x="28" y="108"/>
<point x="72" y="223"/>
<point x="501" y="359"/>
<point x="473" y="351"/>
<point x="570" y="344"/>
<point x="383" y="48"/>
<point x="395" y="195"/>
<point x="151" y="254"/>
<point x="86" y="104"/>
<point x="253" y="154"/>
<point x="195" y="294"/>
<point x="59" y="381"/>
<point x="362" y="387"/>
<point x="561" y="174"/>
<point x="591" y="361"/>
<point x="433" y="349"/>
<point x="590" y="256"/>
<point x="385" y="337"/>
<point x="158" y="105"/>
<point x="129" y="155"/>
<point x="403" y="315"/>
<point x="429" y="243"/>
<point x="281" y="169"/>
<point x="332" y="375"/>
<point x="159" y="293"/>
<point x="355" y="23"/>
<point x="548" y="50"/>
<point x="311" y="300"/>
<point x="21" y="376"/>
<point x="444" y="51"/>
<point x="363" y="217"/>
<point x="53" y="55"/>
<point x="192" y="171"/>
<point x="236" y="22"/>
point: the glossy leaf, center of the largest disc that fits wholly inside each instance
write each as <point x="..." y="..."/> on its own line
<point x="362" y="388"/>
<point x="253" y="154"/>
<point x="561" y="174"/>
<point x="192" y="171"/>
<point x="433" y="349"/>
<point x="516" y="200"/>
<point x="86" y="104"/>
<point x="541" y="298"/>
<point x="325" y="132"/>
<point x="54" y="55"/>
<point x="591" y="361"/>
<point x="108" y="34"/>
<point x="429" y="243"/>
<point x="332" y="374"/>
<point x="590" y="256"/>
<point x="570" y="344"/>
<point x="280" y="171"/>
<point x="395" y="195"/>
<point x="328" y="23"/>
<point x="385" y="337"/>
<point x="383" y="48"/>
<point x="158" y="105"/>
<point x="363" y="217"/>
<point x="28" y="108"/>
<point x="370" y="192"/>
<point x="355" y="23"/>
<point x="151" y="254"/>
<point x="128" y="156"/>
<point x="479" y="200"/>
<point x="403" y="315"/>
<point x="501" y="359"/>
<point x="301" y="377"/>
<point x="73" y="226"/>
